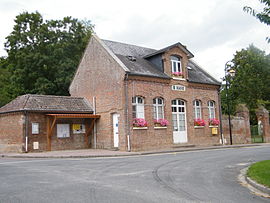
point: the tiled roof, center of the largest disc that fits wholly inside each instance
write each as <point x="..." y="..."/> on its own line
<point x="141" y="66"/>
<point x="198" y="75"/>
<point x="128" y="49"/>
<point x="48" y="103"/>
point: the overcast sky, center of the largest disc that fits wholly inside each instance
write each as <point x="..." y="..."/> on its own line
<point x="213" y="30"/>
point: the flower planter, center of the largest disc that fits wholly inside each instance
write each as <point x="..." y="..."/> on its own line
<point x="140" y="128"/>
<point x="160" y="127"/>
<point x="213" y="126"/>
<point x="198" y="126"/>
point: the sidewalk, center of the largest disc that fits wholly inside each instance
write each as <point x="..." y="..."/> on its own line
<point x="88" y="153"/>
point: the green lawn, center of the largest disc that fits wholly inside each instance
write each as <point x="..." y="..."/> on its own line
<point x="260" y="172"/>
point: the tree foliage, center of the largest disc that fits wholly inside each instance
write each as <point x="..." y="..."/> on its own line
<point x="263" y="16"/>
<point x="251" y="84"/>
<point x="43" y="54"/>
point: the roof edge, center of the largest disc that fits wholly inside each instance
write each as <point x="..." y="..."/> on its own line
<point x="111" y="53"/>
<point x="206" y="72"/>
<point x="178" y="44"/>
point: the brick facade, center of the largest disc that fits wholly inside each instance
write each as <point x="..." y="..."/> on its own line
<point x="101" y="75"/>
<point x="11" y="133"/>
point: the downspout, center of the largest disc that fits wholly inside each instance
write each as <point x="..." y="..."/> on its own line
<point x="95" y="132"/>
<point x="26" y="131"/>
<point x="220" y="117"/>
<point x="127" y="128"/>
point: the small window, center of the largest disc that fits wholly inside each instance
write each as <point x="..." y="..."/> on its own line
<point x="176" y="64"/>
<point x="158" y="108"/>
<point x="211" y="109"/>
<point x="197" y="109"/>
<point x="35" y="128"/>
<point x="137" y="107"/>
<point x="63" y="130"/>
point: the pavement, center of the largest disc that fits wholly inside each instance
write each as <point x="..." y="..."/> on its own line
<point x="88" y="153"/>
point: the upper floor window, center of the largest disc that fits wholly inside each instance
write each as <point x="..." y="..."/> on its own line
<point x="211" y="109"/>
<point x="197" y="109"/>
<point x="158" y="105"/>
<point x="137" y="107"/>
<point x="176" y="64"/>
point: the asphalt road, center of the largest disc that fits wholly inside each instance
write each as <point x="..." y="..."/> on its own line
<point x="199" y="176"/>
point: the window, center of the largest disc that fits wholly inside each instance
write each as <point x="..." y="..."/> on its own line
<point x="137" y="107"/>
<point x="158" y="105"/>
<point x="35" y="128"/>
<point x="211" y="109"/>
<point x="197" y="109"/>
<point x="63" y="130"/>
<point x="176" y="64"/>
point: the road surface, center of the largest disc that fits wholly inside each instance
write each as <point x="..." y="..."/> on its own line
<point x="199" y="176"/>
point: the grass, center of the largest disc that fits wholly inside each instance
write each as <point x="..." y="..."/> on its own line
<point x="260" y="172"/>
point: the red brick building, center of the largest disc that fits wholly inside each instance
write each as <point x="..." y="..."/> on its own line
<point x="128" y="83"/>
<point x="44" y="122"/>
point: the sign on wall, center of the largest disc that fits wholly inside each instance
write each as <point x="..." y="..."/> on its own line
<point x="63" y="130"/>
<point x="78" y="128"/>
<point x="179" y="88"/>
<point x="35" y="128"/>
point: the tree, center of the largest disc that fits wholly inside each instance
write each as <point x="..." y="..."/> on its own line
<point x="263" y="16"/>
<point x="43" y="55"/>
<point x="251" y="84"/>
<point x="4" y="82"/>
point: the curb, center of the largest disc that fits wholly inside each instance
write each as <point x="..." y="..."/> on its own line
<point x="130" y="155"/>
<point x="258" y="186"/>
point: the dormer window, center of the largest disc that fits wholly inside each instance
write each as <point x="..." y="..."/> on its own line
<point x="176" y="64"/>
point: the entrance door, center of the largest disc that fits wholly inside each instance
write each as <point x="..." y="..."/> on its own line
<point x="115" y="130"/>
<point x="179" y="121"/>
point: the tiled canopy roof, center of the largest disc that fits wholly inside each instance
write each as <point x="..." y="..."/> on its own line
<point x="141" y="66"/>
<point x="48" y="103"/>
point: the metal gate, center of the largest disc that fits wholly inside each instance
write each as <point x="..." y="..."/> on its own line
<point x="256" y="134"/>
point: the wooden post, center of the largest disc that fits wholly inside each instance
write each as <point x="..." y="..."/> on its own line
<point x="88" y="131"/>
<point x="48" y="134"/>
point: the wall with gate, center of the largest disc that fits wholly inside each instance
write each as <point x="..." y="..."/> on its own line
<point x="239" y="125"/>
<point x="241" y="129"/>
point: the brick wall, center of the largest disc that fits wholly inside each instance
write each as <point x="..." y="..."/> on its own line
<point x="100" y="75"/>
<point x="11" y="132"/>
<point x="154" y="139"/>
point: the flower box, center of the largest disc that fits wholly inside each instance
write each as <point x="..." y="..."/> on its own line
<point x="140" y="128"/>
<point x="199" y="122"/>
<point x="160" y="127"/>
<point x="213" y="122"/>
<point x="161" y="122"/>
<point x="198" y="126"/>
<point x="177" y="74"/>
<point x="139" y="122"/>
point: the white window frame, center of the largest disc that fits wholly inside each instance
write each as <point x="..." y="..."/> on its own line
<point x="197" y="107"/>
<point x="138" y="103"/>
<point x="211" y="109"/>
<point x="35" y="128"/>
<point x="156" y="108"/>
<point x="176" y="64"/>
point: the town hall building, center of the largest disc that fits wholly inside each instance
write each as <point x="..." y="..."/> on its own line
<point x="146" y="98"/>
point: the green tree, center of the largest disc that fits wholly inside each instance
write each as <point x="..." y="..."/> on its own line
<point x="263" y="16"/>
<point x="43" y="55"/>
<point x="251" y="84"/>
<point x="4" y="82"/>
